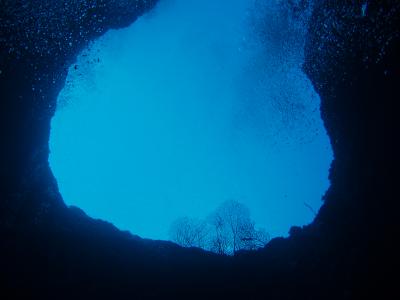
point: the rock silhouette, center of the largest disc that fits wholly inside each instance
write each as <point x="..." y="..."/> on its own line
<point x="50" y="251"/>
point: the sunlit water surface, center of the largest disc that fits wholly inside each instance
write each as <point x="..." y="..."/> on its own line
<point x="195" y="103"/>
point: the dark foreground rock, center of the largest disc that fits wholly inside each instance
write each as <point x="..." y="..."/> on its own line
<point x="50" y="251"/>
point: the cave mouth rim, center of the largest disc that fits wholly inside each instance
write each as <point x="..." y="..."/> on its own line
<point x="105" y="219"/>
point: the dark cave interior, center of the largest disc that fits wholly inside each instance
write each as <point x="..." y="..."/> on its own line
<point x="49" y="250"/>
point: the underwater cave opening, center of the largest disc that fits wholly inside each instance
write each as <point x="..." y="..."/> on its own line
<point x="196" y="103"/>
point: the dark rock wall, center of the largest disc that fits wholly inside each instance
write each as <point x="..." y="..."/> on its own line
<point x="352" y="60"/>
<point x="38" y="42"/>
<point x="52" y="251"/>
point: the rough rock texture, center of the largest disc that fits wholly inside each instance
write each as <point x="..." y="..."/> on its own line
<point x="50" y="251"/>
<point x="38" y="42"/>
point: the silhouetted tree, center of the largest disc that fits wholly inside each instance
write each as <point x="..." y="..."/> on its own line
<point x="220" y="241"/>
<point x="189" y="232"/>
<point x="228" y="230"/>
<point x="254" y="239"/>
<point x="235" y="229"/>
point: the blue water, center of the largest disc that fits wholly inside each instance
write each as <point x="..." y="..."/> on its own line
<point x="195" y="103"/>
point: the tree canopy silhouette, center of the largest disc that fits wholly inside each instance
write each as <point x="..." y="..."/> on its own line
<point x="226" y="231"/>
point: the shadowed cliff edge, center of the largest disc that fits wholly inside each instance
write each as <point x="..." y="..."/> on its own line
<point x="50" y="251"/>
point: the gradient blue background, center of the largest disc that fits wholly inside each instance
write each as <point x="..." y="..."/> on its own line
<point x="195" y="103"/>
